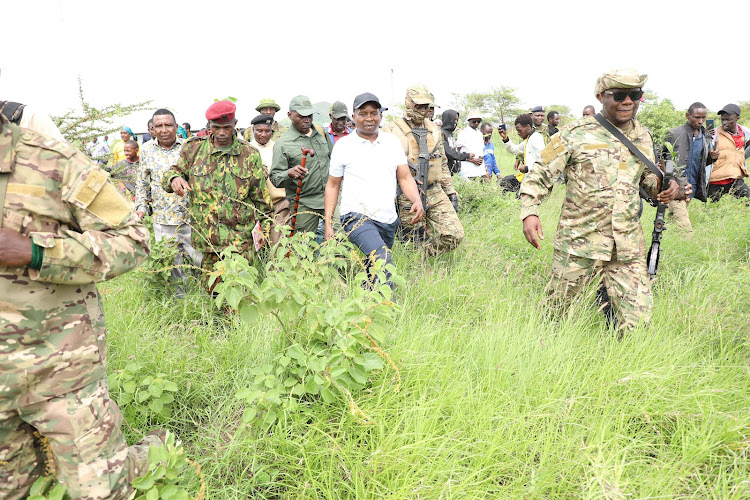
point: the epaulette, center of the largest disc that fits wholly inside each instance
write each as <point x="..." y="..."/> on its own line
<point x="581" y="122"/>
<point x="195" y="138"/>
<point x="32" y="138"/>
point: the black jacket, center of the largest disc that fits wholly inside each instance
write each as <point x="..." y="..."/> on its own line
<point x="680" y="138"/>
<point x="449" y="126"/>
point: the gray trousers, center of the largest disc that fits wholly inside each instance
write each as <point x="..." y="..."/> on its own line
<point x="182" y="234"/>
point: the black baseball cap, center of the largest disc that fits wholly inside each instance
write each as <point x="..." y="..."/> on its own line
<point x="362" y="99"/>
<point x="732" y="109"/>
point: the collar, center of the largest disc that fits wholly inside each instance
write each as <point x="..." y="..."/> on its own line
<point x="234" y="148"/>
<point x="365" y="139"/>
<point x="296" y="133"/>
<point x="177" y="141"/>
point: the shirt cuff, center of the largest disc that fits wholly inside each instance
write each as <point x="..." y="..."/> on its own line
<point x="529" y="210"/>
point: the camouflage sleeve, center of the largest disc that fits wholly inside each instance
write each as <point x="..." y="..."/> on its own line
<point x="109" y="239"/>
<point x="539" y="182"/>
<point x="446" y="181"/>
<point x="181" y="169"/>
<point x="279" y="166"/>
<point x="143" y="185"/>
<point x="260" y="196"/>
<point x="649" y="180"/>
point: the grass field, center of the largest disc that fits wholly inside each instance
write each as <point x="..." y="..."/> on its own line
<point x="496" y="400"/>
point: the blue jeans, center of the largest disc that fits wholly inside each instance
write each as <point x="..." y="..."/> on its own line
<point x="374" y="238"/>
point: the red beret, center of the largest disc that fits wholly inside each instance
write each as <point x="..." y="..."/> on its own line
<point x="221" y="112"/>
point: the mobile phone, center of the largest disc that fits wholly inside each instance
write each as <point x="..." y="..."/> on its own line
<point x="501" y="126"/>
<point x="710" y="124"/>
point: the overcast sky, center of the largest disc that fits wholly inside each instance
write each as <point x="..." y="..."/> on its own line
<point x="184" y="54"/>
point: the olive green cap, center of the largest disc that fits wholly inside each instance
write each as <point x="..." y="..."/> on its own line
<point x="267" y="103"/>
<point x="338" y="110"/>
<point x="419" y="94"/>
<point x="302" y="105"/>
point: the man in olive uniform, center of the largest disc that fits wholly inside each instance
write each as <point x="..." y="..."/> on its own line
<point x="444" y="230"/>
<point x="229" y="197"/>
<point x="287" y="170"/>
<point x="63" y="227"/>
<point x="599" y="236"/>
<point x="270" y="108"/>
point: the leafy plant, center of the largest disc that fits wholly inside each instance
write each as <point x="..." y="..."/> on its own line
<point x="47" y="488"/>
<point x="157" y="270"/>
<point x="332" y="330"/>
<point x="165" y="466"/>
<point x="140" y="392"/>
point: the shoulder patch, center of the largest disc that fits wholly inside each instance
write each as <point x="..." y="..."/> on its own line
<point x="554" y="149"/>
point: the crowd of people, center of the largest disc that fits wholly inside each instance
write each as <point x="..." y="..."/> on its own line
<point x="69" y="222"/>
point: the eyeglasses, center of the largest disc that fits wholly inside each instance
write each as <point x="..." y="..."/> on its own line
<point x="620" y="95"/>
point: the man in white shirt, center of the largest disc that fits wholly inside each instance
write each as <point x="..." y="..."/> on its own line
<point x="372" y="163"/>
<point x="470" y="140"/>
<point x="531" y="147"/>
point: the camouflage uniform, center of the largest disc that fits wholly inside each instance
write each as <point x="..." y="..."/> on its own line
<point x="444" y="230"/>
<point x="599" y="235"/>
<point x="52" y="332"/>
<point x="229" y="195"/>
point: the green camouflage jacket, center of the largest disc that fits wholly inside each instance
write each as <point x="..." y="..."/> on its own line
<point x="600" y="211"/>
<point x="229" y="193"/>
<point x="52" y="334"/>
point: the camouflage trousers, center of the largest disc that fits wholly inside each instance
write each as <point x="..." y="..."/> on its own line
<point x="444" y="230"/>
<point x="627" y="284"/>
<point x="82" y="429"/>
<point x="281" y="217"/>
<point x="678" y="209"/>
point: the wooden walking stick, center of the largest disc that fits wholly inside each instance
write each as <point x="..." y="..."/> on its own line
<point x="305" y="152"/>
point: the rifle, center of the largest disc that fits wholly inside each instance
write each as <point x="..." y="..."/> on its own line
<point x="423" y="165"/>
<point x="659" y="224"/>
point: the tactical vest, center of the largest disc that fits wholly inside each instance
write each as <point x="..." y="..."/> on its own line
<point x="435" y="173"/>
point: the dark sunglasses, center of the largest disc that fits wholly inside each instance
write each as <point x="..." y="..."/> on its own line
<point x="620" y="95"/>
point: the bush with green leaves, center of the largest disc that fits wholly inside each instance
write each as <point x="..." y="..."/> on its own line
<point x="140" y="392"/>
<point x="332" y="330"/>
<point x="47" y="488"/>
<point x="166" y="465"/>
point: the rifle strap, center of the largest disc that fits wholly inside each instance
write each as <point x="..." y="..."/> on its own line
<point x="629" y="144"/>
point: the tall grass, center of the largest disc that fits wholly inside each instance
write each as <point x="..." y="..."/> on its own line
<point x="497" y="400"/>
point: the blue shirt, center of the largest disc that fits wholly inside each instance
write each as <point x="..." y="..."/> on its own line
<point x="489" y="156"/>
<point x="694" y="159"/>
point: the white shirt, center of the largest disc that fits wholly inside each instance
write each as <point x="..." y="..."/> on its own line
<point x="369" y="169"/>
<point x="471" y="141"/>
<point x="531" y="148"/>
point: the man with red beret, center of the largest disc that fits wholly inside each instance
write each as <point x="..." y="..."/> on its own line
<point x="229" y="196"/>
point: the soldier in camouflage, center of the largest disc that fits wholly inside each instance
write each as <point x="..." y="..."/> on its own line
<point x="444" y="230"/>
<point x="267" y="107"/>
<point x="229" y="202"/>
<point x="599" y="236"/>
<point x="64" y="227"/>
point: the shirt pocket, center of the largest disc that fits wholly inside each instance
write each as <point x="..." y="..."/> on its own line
<point x="240" y="177"/>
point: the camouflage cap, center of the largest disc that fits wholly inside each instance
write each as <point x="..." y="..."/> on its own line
<point x="338" y="110"/>
<point x="267" y="103"/>
<point x="620" y="79"/>
<point x="302" y="105"/>
<point x="419" y="94"/>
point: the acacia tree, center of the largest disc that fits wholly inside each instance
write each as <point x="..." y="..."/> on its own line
<point x="79" y="126"/>
<point x="659" y="115"/>
<point x="500" y="104"/>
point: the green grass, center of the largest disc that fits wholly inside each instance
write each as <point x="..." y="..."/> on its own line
<point x="496" y="400"/>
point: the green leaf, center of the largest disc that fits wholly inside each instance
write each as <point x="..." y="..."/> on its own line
<point x="156" y="405"/>
<point x="327" y="395"/>
<point x="290" y="382"/>
<point x="143" y="483"/>
<point x="41" y="485"/>
<point x="129" y="387"/>
<point x="372" y="361"/>
<point x="155" y="390"/>
<point x="249" y="312"/>
<point x="166" y="398"/>
<point x="181" y="495"/>
<point x="168" y="492"/>
<point x="143" y="396"/>
<point x="157" y="454"/>
<point x="311" y="387"/>
<point x="298" y="390"/>
<point x="295" y="352"/>
<point x="170" y="386"/>
<point x="336" y="372"/>
<point x="153" y="494"/>
<point x="248" y="395"/>
<point x="249" y="414"/>
<point x="284" y="361"/>
<point x="358" y="374"/>
<point x="317" y="364"/>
